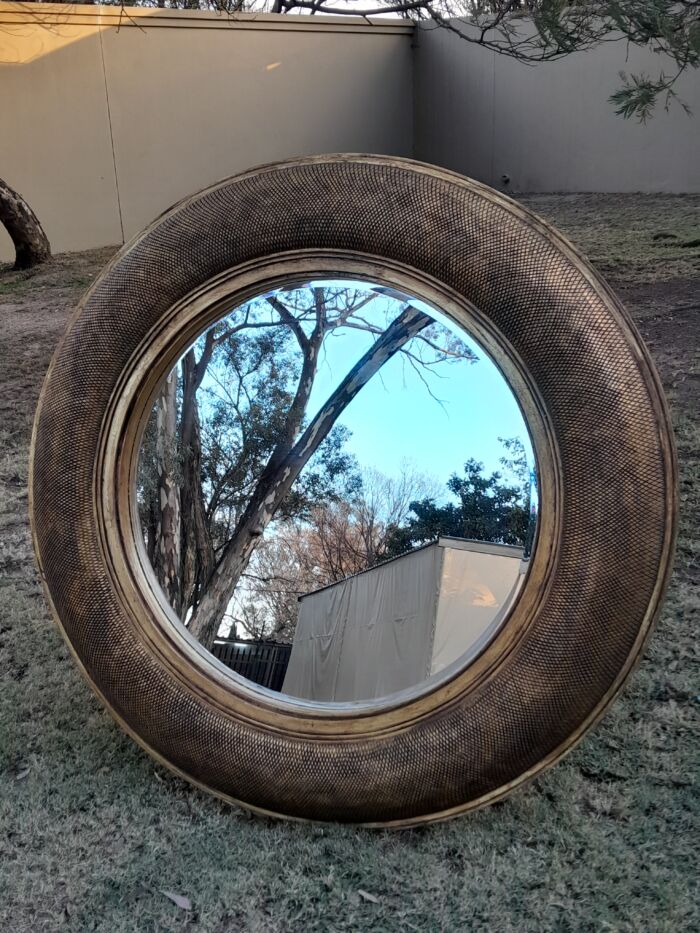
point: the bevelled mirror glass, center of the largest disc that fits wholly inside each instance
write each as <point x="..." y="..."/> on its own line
<point x="337" y="492"/>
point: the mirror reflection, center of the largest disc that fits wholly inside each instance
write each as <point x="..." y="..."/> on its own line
<point x="336" y="490"/>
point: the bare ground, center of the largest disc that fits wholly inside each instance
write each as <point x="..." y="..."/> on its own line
<point x="92" y="832"/>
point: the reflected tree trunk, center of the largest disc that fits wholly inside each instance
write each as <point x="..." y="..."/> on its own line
<point x="197" y="554"/>
<point x="288" y="460"/>
<point x="166" y="550"/>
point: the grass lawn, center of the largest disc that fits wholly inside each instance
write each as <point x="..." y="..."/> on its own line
<point x="92" y="832"/>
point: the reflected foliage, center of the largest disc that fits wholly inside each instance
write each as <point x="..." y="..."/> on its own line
<point x="486" y="509"/>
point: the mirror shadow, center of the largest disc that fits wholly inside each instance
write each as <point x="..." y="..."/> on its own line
<point x="337" y="491"/>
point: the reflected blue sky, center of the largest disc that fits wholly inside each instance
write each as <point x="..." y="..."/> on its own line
<point x="461" y="412"/>
<point x="434" y="419"/>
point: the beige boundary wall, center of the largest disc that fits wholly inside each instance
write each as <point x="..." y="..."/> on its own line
<point x="550" y="127"/>
<point x="107" y="120"/>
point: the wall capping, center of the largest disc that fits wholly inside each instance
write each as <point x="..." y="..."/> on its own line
<point x="73" y="14"/>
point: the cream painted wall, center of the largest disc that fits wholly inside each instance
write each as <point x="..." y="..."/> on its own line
<point x="54" y="131"/>
<point x="550" y="127"/>
<point x="106" y="120"/>
<point x="106" y="123"/>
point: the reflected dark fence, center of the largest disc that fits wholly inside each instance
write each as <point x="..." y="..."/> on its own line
<point x="263" y="662"/>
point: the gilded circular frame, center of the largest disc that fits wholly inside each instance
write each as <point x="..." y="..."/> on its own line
<point x="606" y="472"/>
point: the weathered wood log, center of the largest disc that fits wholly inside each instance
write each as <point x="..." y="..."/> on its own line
<point x="31" y="243"/>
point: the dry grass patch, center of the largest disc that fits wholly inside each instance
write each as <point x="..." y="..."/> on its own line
<point x="92" y="832"/>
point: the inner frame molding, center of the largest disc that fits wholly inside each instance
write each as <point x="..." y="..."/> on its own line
<point x="117" y="515"/>
<point x="607" y="474"/>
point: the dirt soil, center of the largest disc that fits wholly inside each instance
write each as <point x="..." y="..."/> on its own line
<point x="96" y="836"/>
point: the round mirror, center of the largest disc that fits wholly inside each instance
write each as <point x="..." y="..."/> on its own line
<point x="284" y="494"/>
<point x="336" y="491"/>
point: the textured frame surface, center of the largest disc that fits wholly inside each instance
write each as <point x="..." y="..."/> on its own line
<point x="607" y="473"/>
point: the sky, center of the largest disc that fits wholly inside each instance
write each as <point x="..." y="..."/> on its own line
<point x="394" y="417"/>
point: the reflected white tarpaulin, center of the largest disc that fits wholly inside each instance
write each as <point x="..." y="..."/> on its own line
<point x="391" y="627"/>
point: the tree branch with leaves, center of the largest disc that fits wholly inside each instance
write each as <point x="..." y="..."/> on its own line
<point x="532" y="31"/>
